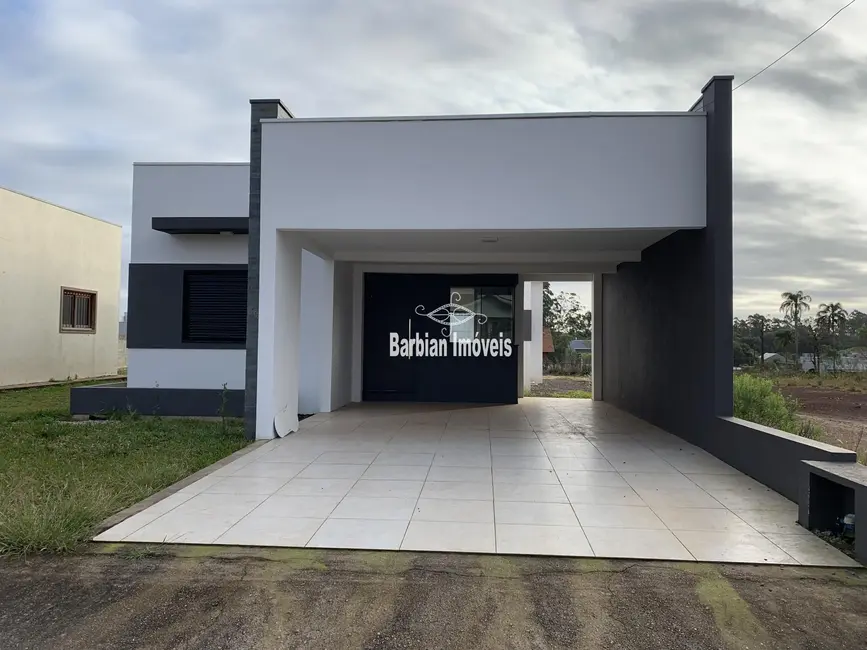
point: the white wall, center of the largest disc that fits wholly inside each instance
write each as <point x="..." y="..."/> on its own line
<point x="533" y="348"/>
<point x="186" y="368"/>
<point x="188" y="190"/>
<point x="317" y="306"/>
<point x="44" y="247"/>
<point x="563" y="172"/>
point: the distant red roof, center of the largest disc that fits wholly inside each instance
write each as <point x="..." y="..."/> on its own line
<point x="547" y="341"/>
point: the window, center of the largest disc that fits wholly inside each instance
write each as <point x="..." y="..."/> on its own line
<point x="77" y="310"/>
<point x="493" y="309"/>
<point x="215" y="307"/>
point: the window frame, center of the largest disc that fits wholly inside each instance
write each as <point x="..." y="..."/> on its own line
<point x="94" y="305"/>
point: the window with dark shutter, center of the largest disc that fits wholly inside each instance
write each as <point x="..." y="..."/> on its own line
<point x="215" y="306"/>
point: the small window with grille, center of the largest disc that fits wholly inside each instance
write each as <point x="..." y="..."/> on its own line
<point x="77" y="310"/>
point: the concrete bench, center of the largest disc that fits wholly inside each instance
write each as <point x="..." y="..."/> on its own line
<point x="828" y="492"/>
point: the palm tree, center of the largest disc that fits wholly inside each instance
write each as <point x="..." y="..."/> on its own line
<point x="784" y="339"/>
<point x="760" y="324"/>
<point x="833" y="317"/>
<point x="794" y="304"/>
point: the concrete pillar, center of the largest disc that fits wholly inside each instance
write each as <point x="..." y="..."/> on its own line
<point x="279" y="334"/>
<point x="521" y="324"/>
<point x="317" y="321"/>
<point x="596" y="337"/>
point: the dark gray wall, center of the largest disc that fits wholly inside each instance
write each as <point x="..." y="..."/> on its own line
<point x="667" y="332"/>
<point x="667" y="319"/>
<point x="156" y="306"/>
<point x="260" y="109"/>
<point x="188" y="402"/>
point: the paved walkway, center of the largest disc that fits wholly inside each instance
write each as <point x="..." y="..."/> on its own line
<point x="545" y="477"/>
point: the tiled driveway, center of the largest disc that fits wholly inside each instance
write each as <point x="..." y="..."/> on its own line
<point x="545" y="477"/>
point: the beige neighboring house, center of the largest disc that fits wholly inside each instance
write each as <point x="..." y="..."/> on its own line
<point x="59" y="292"/>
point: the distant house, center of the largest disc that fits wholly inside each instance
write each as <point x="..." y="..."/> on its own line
<point x="580" y="346"/>
<point x="547" y="342"/>
<point x="59" y="287"/>
<point x="773" y="357"/>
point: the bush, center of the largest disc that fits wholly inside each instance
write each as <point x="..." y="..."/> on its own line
<point x="756" y="400"/>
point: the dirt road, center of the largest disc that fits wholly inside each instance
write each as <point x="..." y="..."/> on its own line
<point x="212" y="598"/>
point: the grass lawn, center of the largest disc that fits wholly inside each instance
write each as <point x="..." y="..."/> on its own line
<point x="59" y="479"/>
<point x="853" y="382"/>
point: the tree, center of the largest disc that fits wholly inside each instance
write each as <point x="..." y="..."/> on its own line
<point x="794" y="304"/>
<point x="817" y="333"/>
<point x="832" y="318"/>
<point x="759" y="324"/>
<point x="548" y="308"/>
<point x="784" y="338"/>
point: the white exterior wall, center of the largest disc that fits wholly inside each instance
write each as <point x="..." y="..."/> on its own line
<point x="533" y="348"/>
<point x="187" y="190"/>
<point x="44" y="247"/>
<point x="555" y="172"/>
<point x="342" y="336"/>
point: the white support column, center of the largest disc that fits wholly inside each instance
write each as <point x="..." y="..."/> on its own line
<point x="533" y="348"/>
<point x="597" y="342"/>
<point x="357" y="331"/>
<point x="520" y="328"/>
<point x="317" y="321"/>
<point x="279" y="334"/>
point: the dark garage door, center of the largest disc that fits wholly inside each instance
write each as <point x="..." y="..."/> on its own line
<point x="482" y="307"/>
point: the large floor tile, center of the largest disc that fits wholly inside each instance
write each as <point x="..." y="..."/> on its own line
<point x="460" y="459"/>
<point x="531" y="492"/>
<point x="449" y="536"/>
<point x="579" y="477"/>
<point x="711" y="519"/>
<point x="596" y="516"/>
<point x="521" y="512"/>
<point x="470" y="474"/>
<point x="748" y="499"/>
<point x="584" y="465"/>
<point x="332" y="470"/>
<point x="396" y="472"/>
<point x="811" y="551"/>
<point x="185" y="528"/>
<point x="402" y="458"/>
<point x="317" y="486"/>
<point x="347" y="457"/>
<point x="462" y="510"/>
<point x="542" y="540"/>
<point x="534" y="476"/>
<point x="458" y="490"/>
<point x="693" y="497"/>
<point x="732" y="546"/>
<point x="359" y="533"/>
<point x="377" y="488"/>
<point x="657" y="481"/>
<point x="724" y="481"/>
<point x="255" y="530"/>
<point x="603" y="496"/>
<point x="311" y="507"/>
<point x="259" y="469"/>
<point x="382" y="508"/>
<point x="774" y="521"/>
<point x="521" y="462"/>
<point x="636" y="543"/>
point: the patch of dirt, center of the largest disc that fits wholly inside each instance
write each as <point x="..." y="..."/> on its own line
<point x="842" y="414"/>
<point x="553" y="386"/>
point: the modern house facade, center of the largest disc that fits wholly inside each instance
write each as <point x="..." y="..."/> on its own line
<point x="401" y="259"/>
<point x="59" y="287"/>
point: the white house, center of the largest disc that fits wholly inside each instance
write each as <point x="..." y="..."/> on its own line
<point x="349" y="259"/>
<point x="59" y="289"/>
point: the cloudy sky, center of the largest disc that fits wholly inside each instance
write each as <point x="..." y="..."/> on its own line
<point x="89" y="86"/>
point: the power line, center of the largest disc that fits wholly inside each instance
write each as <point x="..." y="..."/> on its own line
<point x="797" y="45"/>
<point x="784" y="55"/>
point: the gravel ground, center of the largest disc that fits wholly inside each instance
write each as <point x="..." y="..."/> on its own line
<point x="212" y="598"/>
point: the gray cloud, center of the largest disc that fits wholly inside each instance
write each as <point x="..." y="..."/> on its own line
<point x="89" y="86"/>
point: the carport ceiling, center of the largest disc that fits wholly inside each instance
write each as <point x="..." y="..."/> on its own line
<point x="346" y="244"/>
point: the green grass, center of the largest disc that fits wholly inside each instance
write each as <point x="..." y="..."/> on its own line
<point x="574" y="394"/>
<point x="59" y="479"/>
<point x="852" y="382"/>
<point x="757" y="400"/>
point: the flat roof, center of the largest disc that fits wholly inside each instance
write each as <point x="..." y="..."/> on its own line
<point x="493" y="116"/>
